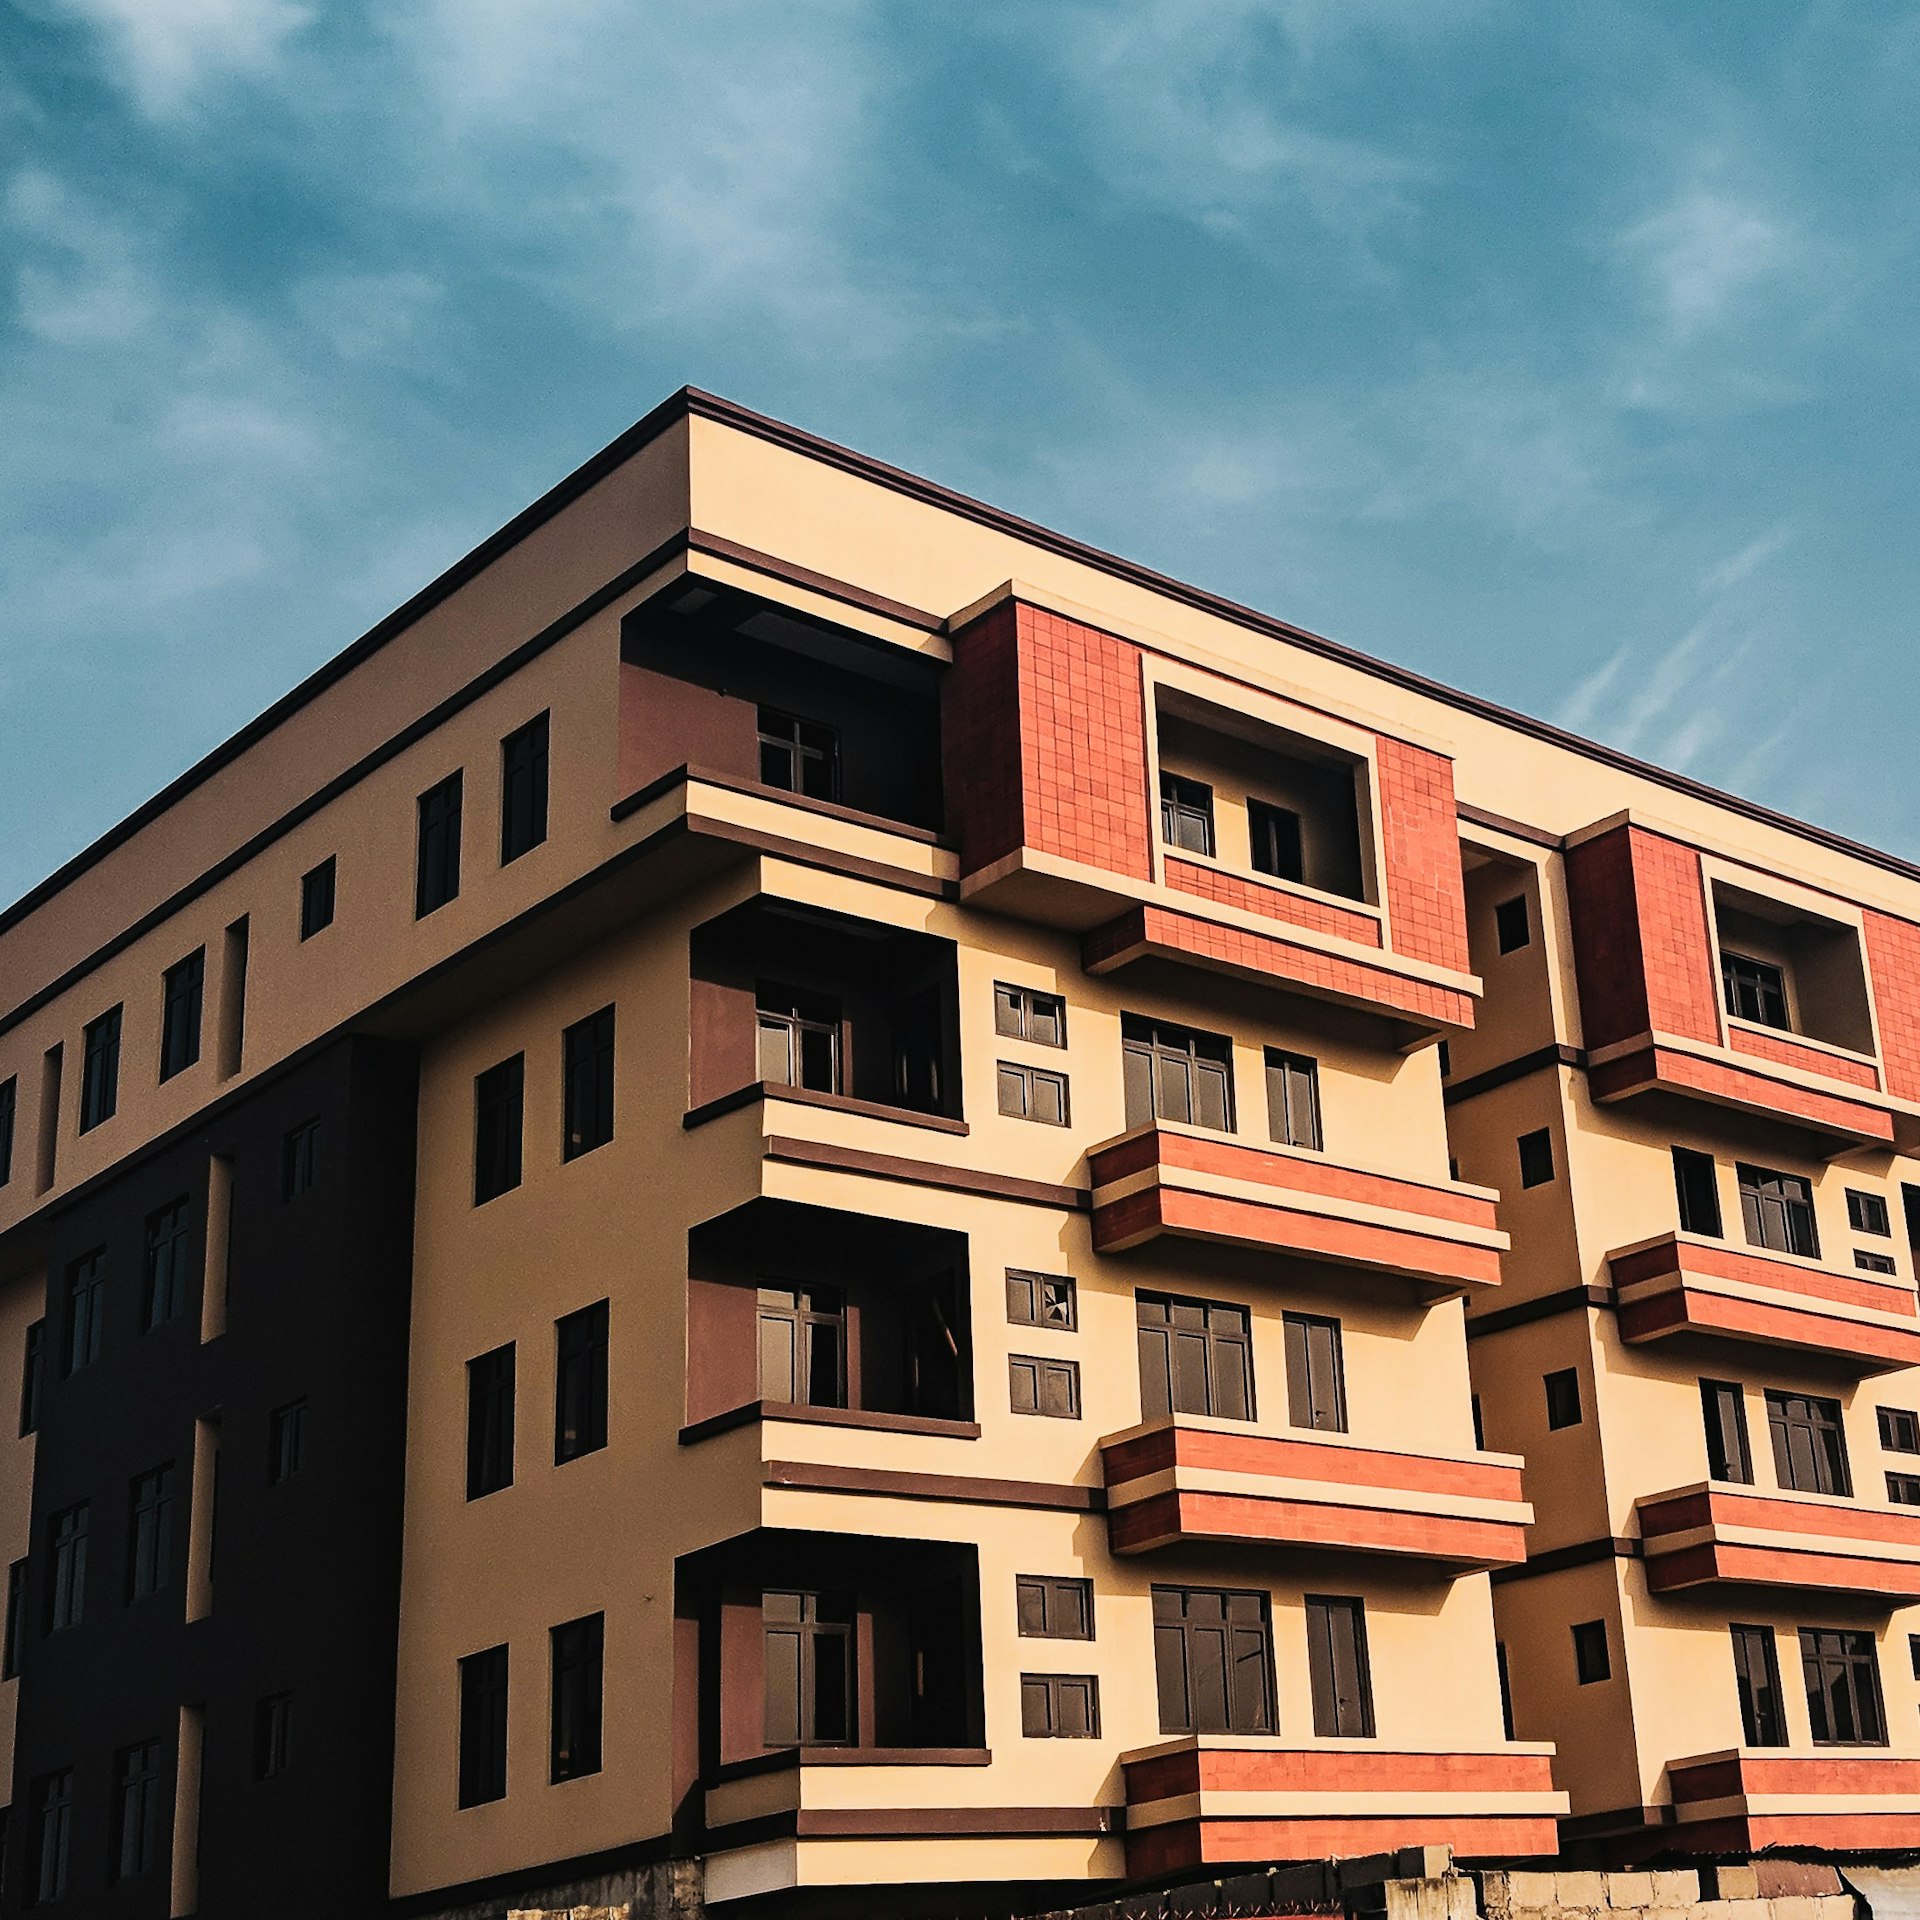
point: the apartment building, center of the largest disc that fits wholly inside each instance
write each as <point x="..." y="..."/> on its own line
<point x="802" y="1190"/>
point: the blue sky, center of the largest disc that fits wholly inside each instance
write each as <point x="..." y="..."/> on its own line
<point x="1566" y="353"/>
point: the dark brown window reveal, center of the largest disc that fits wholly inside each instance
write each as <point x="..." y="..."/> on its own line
<point x="1337" y="1667"/>
<point x="499" y="1099"/>
<point x="299" y="1159"/>
<point x="1903" y="1489"/>
<point x="1213" y="1660"/>
<point x="163" y="1294"/>
<point x="1776" y="1209"/>
<point x="1723" y="1406"/>
<point x="1186" y="813"/>
<point x="1032" y="1093"/>
<point x="577" y="1654"/>
<point x="799" y="1038"/>
<point x="150" y="1533"/>
<point x="1175" y="1073"/>
<point x="272" y="1735"/>
<point x="803" y="1346"/>
<point x="317" y="888"/>
<point x="1697" y="1188"/>
<point x="140" y="1815"/>
<point x="1809" y="1443"/>
<point x="586" y="1062"/>
<point x="1535" y="1151"/>
<point x="181" y="989"/>
<point x="1867" y="1213"/>
<point x="1591" y="1661"/>
<point x="1563" y="1398"/>
<point x="1873" y="1262"/>
<point x="1756" y="1673"/>
<point x="1025" y="1013"/>
<point x="1755" y="990"/>
<point x="1042" y="1300"/>
<point x="1059" y="1706"/>
<point x="1511" y="927"/>
<point x="1899" y="1429"/>
<point x="1049" y="1387"/>
<point x="436" y="878"/>
<point x="1293" y="1099"/>
<point x="100" y="1070"/>
<point x="799" y="756"/>
<point x="1506" y="1688"/>
<point x="1196" y="1356"/>
<point x="1273" y="837"/>
<point x="1842" y="1673"/>
<point x="483" y="1727"/>
<point x="1053" y="1606"/>
<point x="580" y="1383"/>
<point x="523" y="789"/>
<point x="809" y="1669"/>
<point x="1316" y="1373"/>
<point x="490" y="1422"/>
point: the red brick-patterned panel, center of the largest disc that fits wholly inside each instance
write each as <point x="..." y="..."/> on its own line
<point x="1275" y="902"/>
<point x="1174" y="1445"/>
<point x="1165" y="1519"/>
<point x="1735" y="1086"/>
<point x="1172" y="1776"/>
<point x="1893" y="966"/>
<point x="1684" y="1257"/>
<point x="1426" y="895"/>
<point x="1156" y="1851"/>
<point x="1682" y="995"/>
<point x="1864" y="1344"/>
<point x="980" y="729"/>
<point x="1790" y="1053"/>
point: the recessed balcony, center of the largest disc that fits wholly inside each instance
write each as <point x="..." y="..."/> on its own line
<point x="1178" y="1482"/>
<point x="1744" y="1799"/>
<point x="1713" y="1534"/>
<point x="1438" y="1235"/>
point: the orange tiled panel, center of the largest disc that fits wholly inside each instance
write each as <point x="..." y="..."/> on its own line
<point x="1893" y="967"/>
<point x="1791" y="1053"/>
<point x="1835" y="1113"/>
<point x="1209" y="883"/>
<point x="1700" y="1536"/>
<point x="1426" y="895"/>
<point x="1848" y="1783"/>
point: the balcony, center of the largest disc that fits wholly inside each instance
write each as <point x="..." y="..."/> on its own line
<point x="1178" y="1482"/>
<point x="1438" y="1235"/>
<point x="1711" y="1534"/>
<point x="1682" y="1283"/>
<point x="1217" y="1800"/>
<point x="1746" y="1799"/>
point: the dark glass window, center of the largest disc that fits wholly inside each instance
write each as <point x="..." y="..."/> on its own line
<point x="1536" y="1157"/>
<point x="1213" y="1660"/>
<point x="490" y="1422"/>
<point x="1777" y="1211"/>
<point x="483" y="1727"/>
<point x="1756" y="989"/>
<point x="1511" y="927"/>
<point x="1186" y="813"/>
<point x="523" y="789"/>
<point x="917" y="1036"/>
<point x="140" y="1809"/>
<point x="1903" y="1489"/>
<point x="1293" y="1099"/>
<point x="1173" y="1073"/>
<point x="799" y="1038"/>
<point x="1042" y="1300"/>
<point x="316" y="898"/>
<point x="67" y="1549"/>
<point x="1873" y="1262"/>
<point x="1053" y="1607"/>
<point x="9" y="1104"/>
<point x="150" y="1533"/>
<point x="16" y="1635"/>
<point x="1756" y="1673"/>
<point x="577" y="1653"/>
<point x="1843" y="1687"/>
<point x="1049" y="1387"/>
<point x="299" y="1159"/>
<point x="1337" y="1668"/>
<point x="1563" y="1398"/>
<point x="1724" y="1408"/>
<point x="272" y="1735"/>
<point x="1809" y="1443"/>
<point x="1867" y="1213"/>
<point x="163" y="1295"/>
<point x="86" y="1310"/>
<point x="1899" y="1429"/>
<point x="803" y="1346"/>
<point x="1506" y="1688"/>
<point x="1591" y="1661"/>
<point x="586" y="1051"/>
<point x="286" y="1441"/>
<point x="808" y="1653"/>
<point x="499" y="1098"/>
<point x="1273" y="833"/>
<point x="1479" y="1425"/>
<point x="1025" y="1013"/>
<point x="1059" y="1706"/>
<point x="51" y="1800"/>
<point x="437" y="866"/>
<point x="580" y="1383"/>
<point x="1316" y="1374"/>
<point x="1698" y="1190"/>
<point x="32" y="1371"/>
<point x="1031" y="1093"/>
<point x="181" y="990"/>
<point x="100" y="1069"/>
<point x="799" y="756"/>
<point x="1196" y="1356"/>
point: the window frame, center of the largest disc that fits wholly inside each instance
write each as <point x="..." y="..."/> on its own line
<point x="1754" y="990"/>
<point x="1850" y="1657"/>
<point x="1268" y="835"/>
<point x="1016" y="1011"/>
<point x="438" y="830"/>
<point x="272" y="1735"/>
<point x="1035" y="1288"/>
<point x="1869" y="1213"/>
<point x="797" y="1013"/>
<point x="299" y="1160"/>
<point x="1027" y="1084"/>
<point x="182" y="993"/>
<point x="822" y="750"/>
<point x="1701" y="1171"/>
<point x="100" y="1068"/>
<point x="1763" y="1708"/>
<point x="1898" y="1428"/>
<point x="1504" y="939"/>
<point x="820" y="1618"/>
<point x="499" y="1128"/>
<point x="1556" y="1384"/>
<point x="9" y="1111"/>
<point x="85" y="1301"/>
<point x="580" y="1376"/>
<point x="1592" y="1653"/>
<point x="1045" y="1372"/>
<point x="319" y="897"/>
<point x="1052" y="1592"/>
<point x="1342" y="1707"/>
<point x="1155" y="1048"/>
<point x="1293" y="1099"/>
<point x="1316" y="1372"/>
<point x="1533" y="1151"/>
<point x="576" y="1697"/>
<point x="1728" y="1444"/>
<point x="1051" y="1704"/>
<point x="286" y="1441"/>
<point x="807" y="1323"/>
<point x="150" y="1530"/>
<point x="166" y="1267"/>
<point x="1218" y="1345"/>
<point x="492" y="1391"/>
<point x="1245" y="1655"/>
<point x="1793" y="1212"/>
<point x="588" y="1081"/>
<point x="1821" y="1438"/>
<point x="523" y="788"/>
<point x="1185" y="801"/>
<point x="481" y="1736"/>
<point x="67" y="1542"/>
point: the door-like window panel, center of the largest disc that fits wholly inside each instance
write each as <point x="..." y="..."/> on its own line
<point x="1196" y="1356"/>
<point x="1213" y="1659"/>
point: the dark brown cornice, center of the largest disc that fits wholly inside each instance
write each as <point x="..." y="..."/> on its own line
<point x="1554" y="1054"/>
<point x="965" y="1489"/>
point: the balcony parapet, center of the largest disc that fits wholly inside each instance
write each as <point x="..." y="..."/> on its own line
<point x="1709" y="1534"/>
<point x="1744" y="1799"/>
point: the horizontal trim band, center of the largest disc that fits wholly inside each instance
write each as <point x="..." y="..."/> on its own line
<point x="805" y="1476"/>
<point x="927" y="1173"/>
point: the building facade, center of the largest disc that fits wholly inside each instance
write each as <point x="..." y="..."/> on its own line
<point x="802" y="1190"/>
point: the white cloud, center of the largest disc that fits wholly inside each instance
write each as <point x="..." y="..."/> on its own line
<point x="165" y="52"/>
<point x="1703" y="251"/>
<point x="78" y="282"/>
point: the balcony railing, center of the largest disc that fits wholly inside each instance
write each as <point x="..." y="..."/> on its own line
<point x="1709" y="1534"/>
<point x="1745" y="1799"/>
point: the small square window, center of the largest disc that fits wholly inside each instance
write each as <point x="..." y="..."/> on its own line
<point x="1025" y="1013"/>
<point x="1031" y="1093"/>
<point x="299" y="1159"/>
<point x="1873" y="1262"/>
<point x="1899" y="1429"/>
<point x="1563" y="1399"/>
<point x="1536" y="1158"/>
<point x="1903" y="1489"/>
<point x="1511" y="925"/>
<point x="1590" y="1658"/>
<point x="316" y="898"/>
<point x="1047" y="1387"/>
<point x="1050" y="1607"/>
<point x="1042" y="1300"/>
<point x="1059" y="1706"/>
<point x="1867" y="1213"/>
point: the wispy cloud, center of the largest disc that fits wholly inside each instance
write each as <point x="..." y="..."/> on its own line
<point x="166" y="52"/>
<point x="1704" y="250"/>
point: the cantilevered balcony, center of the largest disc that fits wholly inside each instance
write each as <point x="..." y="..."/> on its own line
<point x="1746" y="1799"/>
<point x="1713" y="1534"/>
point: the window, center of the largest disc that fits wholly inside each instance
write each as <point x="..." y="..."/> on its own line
<point x="1293" y="1099"/>
<point x="67" y="1592"/>
<point x="917" y="1037"/>
<point x="163" y="1294"/>
<point x="150" y="1533"/>
<point x="1563" y="1399"/>
<point x="1777" y="1211"/>
<point x="16" y="1634"/>
<point x="586" y="1050"/>
<point x="1186" y="813"/>
<point x="499" y="1096"/>
<point x="1511" y="928"/>
<point x="1867" y="1213"/>
<point x="1175" y="1074"/>
<point x="299" y="1159"/>
<point x="577" y="1655"/>
<point x="86" y="1310"/>
<point x="1196" y="1356"/>
<point x="1053" y="1607"/>
<point x="1724" y="1407"/>
<point x="1755" y="989"/>
<point x="1843" y="1688"/>
<point x="1591" y="1662"/>
<point x="483" y="1727"/>
<point x="1059" y="1706"/>
<point x="1274" y="835"/>
<point x="1444" y="1055"/>
<point x="1337" y="1668"/>
<point x="809" y="1669"/>
<point x="1049" y="1387"/>
<point x="1809" y="1444"/>
<point x="1899" y="1429"/>
<point x="803" y="1346"/>
<point x="1536" y="1157"/>
<point x="523" y="789"/>
<point x="32" y="1366"/>
<point x="316" y="898"/>
<point x="490" y="1422"/>
<point x="272" y="1735"/>
<point x="140" y="1810"/>
<point x="100" y="1070"/>
<point x="1756" y="1673"/>
<point x="286" y="1441"/>
<point x="9" y="1102"/>
<point x="799" y="1039"/>
<point x="1042" y="1300"/>
<point x="180" y="994"/>
<point x="1213" y="1661"/>
<point x="1316" y="1376"/>
<point x="1031" y="1093"/>
<point x="1698" y="1190"/>
<point x="799" y="756"/>
<point x="1903" y="1489"/>
<point x="1025" y="1013"/>
<point x="1873" y="1262"/>
<point x="580" y="1383"/>
<point x="437" y="869"/>
<point x="52" y="1803"/>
